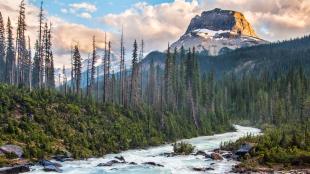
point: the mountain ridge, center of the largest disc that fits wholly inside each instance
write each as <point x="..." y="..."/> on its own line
<point x="218" y="30"/>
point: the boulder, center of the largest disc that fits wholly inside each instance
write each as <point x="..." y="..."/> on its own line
<point x="15" y="169"/>
<point x="216" y="156"/>
<point x="201" y="153"/>
<point x="52" y="168"/>
<point x="121" y="158"/>
<point x="133" y="163"/>
<point x="109" y="163"/>
<point x="17" y="150"/>
<point x="49" y="163"/>
<point x="62" y="158"/>
<point x="153" y="164"/>
<point x="202" y="169"/>
<point x="244" y="149"/>
<point x="166" y="154"/>
<point x="228" y="155"/>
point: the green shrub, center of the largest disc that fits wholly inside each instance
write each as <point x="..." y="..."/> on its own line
<point x="183" y="148"/>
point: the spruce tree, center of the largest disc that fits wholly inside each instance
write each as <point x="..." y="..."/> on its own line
<point x="21" y="49"/>
<point x="2" y="50"/>
<point x="77" y="65"/>
<point x="93" y="63"/>
<point x="10" y="55"/>
<point x="134" y="96"/>
<point x="36" y="67"/>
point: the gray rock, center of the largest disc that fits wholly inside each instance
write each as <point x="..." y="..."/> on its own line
<point x="153" y="164"/>
<point x="244" y="149"/>
<point x="200" y="153"/>
<point x="52" y="168"/>
<point x="15" y="169"/>
<point x="17" y="150"/>
<point x="216" y="156"/>
<point x="109" y="163"/>
<point x="121" y="158"/>
<point x="203" y="169"/>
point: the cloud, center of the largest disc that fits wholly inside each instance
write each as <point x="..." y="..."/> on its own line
<point x="156" y="24"/>
<point x="64" y="33"/>
<point x="63" y="10"/>
<point x="84" y="6"/>
<point x="272" y="19"/>
<point x="85" y="15"/>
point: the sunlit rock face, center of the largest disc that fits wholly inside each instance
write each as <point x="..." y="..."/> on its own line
<point x="218" y="31"/>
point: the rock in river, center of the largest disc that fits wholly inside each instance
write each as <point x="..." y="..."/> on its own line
<point x="15" y="169"/>
<point x="153" y="164"/>
<point x="216" y="156"/>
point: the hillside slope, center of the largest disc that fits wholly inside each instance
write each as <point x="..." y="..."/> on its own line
<point x="45" y="123"/>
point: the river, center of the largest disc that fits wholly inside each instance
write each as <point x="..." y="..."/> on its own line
<point x="172" y="165"/>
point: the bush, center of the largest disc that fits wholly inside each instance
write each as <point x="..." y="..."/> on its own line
<point x="183" y="148"/>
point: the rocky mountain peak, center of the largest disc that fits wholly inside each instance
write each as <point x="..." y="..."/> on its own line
<point x="218" y="31"/>
<point x="219" y="19"/>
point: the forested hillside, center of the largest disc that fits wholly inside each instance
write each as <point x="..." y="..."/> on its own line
<point x="45" y="123"/>
<point x="272" y="58"/>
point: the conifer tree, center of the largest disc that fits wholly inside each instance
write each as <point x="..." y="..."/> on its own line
<point x="151" y="84"/>
<point x="134" y="95"/>
<point x="77" y="68"/>
<point x="10" y="55"/>
<point x="2" y="50"/>
<point x="122" y="71"/>
<point x="21" y="49"/>
<point x="36" y="67"/>
<point x="93" y="63"/>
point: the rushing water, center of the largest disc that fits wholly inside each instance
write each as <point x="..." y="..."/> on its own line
<point x="177" y="164"/>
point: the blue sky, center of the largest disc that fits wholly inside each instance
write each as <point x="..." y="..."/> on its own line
<point x="104" y="7"/>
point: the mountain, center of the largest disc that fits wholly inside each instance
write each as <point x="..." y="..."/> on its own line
<point x="275" y="58"/>
<point x="218" y="31"/>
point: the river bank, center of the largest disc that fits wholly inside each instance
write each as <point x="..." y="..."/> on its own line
<point x="141" y="160"/>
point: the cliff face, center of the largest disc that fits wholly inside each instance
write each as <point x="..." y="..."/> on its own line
<point x="218" y="19"/>
<point x="217" y="31"/>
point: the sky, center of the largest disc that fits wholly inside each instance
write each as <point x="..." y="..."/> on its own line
<point x="157" y="22"/>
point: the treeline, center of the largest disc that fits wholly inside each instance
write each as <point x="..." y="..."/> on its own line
<point x="17" y="66"/>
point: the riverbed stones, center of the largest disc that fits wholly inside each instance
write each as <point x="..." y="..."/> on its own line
<point x="15" y="169"/>
<point x="153" y="164"/>
<point x="52" y="168"/>
<point x="202" y="169"/>
<point x="120" y="158"/>
<point x="109" y="163"/>
<point x="216" y="156"/>
<point x="13" y="149"/>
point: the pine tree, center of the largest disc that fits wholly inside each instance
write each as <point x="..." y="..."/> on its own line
<point x="36" y="67"/>
<point x="151" y="84"/>
<point x="21" y="49"/>
<point x="93" y="63"/>
<point x="122" y="72"/>
<point x="134" y="96"/>
<point x="167" y="81"/>
<point x="77" y="68"/>
<point x="51" y="78"/>
<point x="87" y="76"/>
<point x="10" y="55"/>
<point x="40" y="47"/>
<point x="29" y="66"/>
<point x="2" y="50"/>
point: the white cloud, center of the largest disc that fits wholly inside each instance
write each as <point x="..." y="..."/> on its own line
<point x="85" y="15"/>
<point x="156" y="24"/>
<point x="63" y="10"/>
<point x="84" y="6"/>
